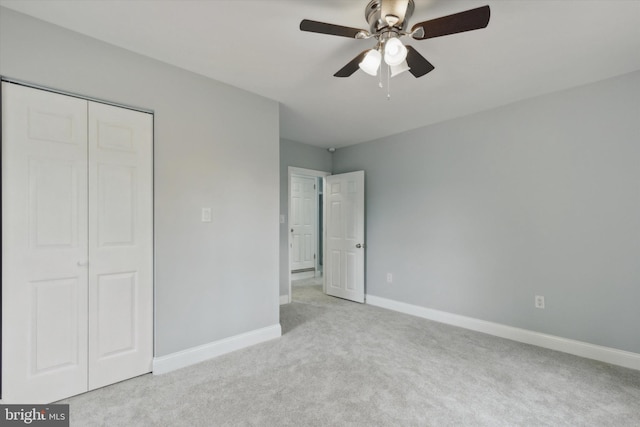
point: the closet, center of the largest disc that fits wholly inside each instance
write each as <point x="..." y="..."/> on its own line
<point x="77" y="244"/>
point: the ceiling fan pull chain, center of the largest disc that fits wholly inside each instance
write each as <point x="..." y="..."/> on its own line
<point x="388" y="83"/>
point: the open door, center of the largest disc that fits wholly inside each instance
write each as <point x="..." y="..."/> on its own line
<point x="344" y="259"/>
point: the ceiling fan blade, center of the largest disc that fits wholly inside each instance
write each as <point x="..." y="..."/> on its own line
<point x="418" y="65"/>
<point x="397" y="8"/>
<point x="473" y="19"/>
<point x="331" y="29"/>
<point x="352" y="66"/>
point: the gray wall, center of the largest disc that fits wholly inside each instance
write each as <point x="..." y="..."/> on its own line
<point x="476" y="216"/>
<point x="213" y="280"/>
<point x="298" y="155"/>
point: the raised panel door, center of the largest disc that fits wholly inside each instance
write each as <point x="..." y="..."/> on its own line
<point x="120" y="244"/>
<point x="345" y="236"/>
<point x="44" y="245"/>
<point x="303" y="223"/>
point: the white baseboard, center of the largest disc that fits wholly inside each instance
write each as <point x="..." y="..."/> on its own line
<point x="578" y="348"/>
<point x="284" y="299"/>
<point x="191" y="356"/>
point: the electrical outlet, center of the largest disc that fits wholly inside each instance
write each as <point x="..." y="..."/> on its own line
<point x="389" y="278"/>
<point x="539" y="301"/>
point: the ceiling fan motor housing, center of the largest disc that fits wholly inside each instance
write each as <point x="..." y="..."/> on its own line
<point x="377" y="22"/>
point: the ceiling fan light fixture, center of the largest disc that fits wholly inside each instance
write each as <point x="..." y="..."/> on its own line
<point x="399" y="69"/>
<point x="371" y="62"/>
<point x="388" y="22"/>
<point x="395" y="52"/>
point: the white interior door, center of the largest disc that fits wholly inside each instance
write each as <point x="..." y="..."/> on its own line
<point x="303" y="223"/>
<point x="44" y="245"/>
<point x="344" y="256"/>
<point x="120" y="244"/>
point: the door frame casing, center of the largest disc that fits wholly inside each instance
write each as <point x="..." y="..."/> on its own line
<point x="292" y="170"/>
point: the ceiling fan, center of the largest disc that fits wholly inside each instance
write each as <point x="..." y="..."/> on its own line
<point x="388" y="21"/>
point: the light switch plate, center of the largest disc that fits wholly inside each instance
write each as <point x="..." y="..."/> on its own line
<point x="206" y="214"/>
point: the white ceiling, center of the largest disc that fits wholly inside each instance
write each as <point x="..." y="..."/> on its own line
<point x="530" y="47"/>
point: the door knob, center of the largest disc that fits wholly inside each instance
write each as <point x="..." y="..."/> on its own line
<point x="83" y="263"/>
<point x="358" y="246"/>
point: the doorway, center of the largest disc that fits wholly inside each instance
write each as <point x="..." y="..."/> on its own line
<point x="305" y="224"/>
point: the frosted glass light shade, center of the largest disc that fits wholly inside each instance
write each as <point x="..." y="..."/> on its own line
<point x="394" y="52"/>
<point x="371" y="62"/>
<point x="399" y="69"/>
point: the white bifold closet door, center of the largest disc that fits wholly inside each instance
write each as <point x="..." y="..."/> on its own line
<point x="77" y="284"/>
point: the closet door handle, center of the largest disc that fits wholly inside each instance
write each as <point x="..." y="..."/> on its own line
<point x="83" y="263"/>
